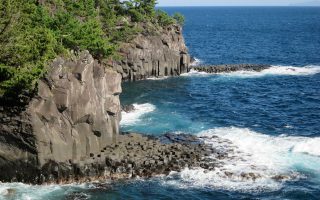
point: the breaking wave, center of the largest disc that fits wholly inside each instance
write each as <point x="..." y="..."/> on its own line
<point x="196" y="62"/>
<point x="280" y="71"/>
<point x="255" y="161"/>
<point x="274" y="70"/>
<point x="135" y="116"/>
<point x="158" y="78"/>
<point x="195" y="73"/>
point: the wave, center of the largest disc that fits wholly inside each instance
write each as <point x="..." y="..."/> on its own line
<point x="193" y="72"/>
<point x="135" y="116"/>
<point x="309" y="146"/>
<point x="39" y="192"/>
<point x="158" y="78"/>
<point x="27" y="192"/>
<point x="274" y="70"/>
<point x="255" y="161"/>
<point x="196" y="62"/>
<point x="278" y="70"/>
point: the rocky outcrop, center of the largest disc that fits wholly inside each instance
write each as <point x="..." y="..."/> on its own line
<point x="69" y="130"/>
<point x="137" y="155"/>
<point x="130" y="155"/>
<point x="75" y="113"/>
<point x="157" y="55"/>
<point x="231" y="68"/>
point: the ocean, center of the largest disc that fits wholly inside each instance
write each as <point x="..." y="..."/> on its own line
<point x="272" y="118"/>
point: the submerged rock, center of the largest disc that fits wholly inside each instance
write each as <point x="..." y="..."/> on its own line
<point x="77" y="196"/>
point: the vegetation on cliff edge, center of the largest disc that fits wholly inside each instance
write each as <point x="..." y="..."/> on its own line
<point x="34" y="32"/>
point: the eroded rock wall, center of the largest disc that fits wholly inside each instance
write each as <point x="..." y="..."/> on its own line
<point x="74" y="115"/>
<point x="63" y="132"/>
<point x="161" y="54"/>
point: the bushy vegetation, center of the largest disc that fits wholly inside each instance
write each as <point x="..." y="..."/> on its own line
<point x="33" y="32"/>
<point x="179" y="18"/>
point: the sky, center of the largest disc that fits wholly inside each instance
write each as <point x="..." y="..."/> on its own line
<point x="229" y="2"/>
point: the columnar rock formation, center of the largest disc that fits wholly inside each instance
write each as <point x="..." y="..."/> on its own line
<point x="161" y="54"/>
<point x="75" y="113"/>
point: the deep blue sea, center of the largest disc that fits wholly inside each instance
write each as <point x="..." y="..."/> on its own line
<point x="272" y="118"/>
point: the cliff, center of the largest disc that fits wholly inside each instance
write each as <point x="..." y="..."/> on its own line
<point x="161" y="54"/>
<point x="76" y="111"/>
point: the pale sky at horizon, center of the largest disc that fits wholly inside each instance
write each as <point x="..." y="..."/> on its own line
<point x="228" y="2"/>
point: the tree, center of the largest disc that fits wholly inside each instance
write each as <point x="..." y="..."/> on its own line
<point x="179" y="18"/>
<point x="33" y="32"/>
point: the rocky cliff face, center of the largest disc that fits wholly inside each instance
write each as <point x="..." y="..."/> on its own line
<point x="74" y="115"/>
<point x="162" y="54"/>
<point x="62" y="133"/>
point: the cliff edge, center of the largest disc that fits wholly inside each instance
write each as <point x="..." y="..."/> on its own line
<point x="75" y="113"/>
<point x="158" y="55"/>
<point x="76" y="110"/>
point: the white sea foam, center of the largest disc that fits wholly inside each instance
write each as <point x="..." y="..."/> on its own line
<point x="274" y="70"/>
<point x="158" y="78"/>
<point x="196" y="62"/>
<point x="195" y="73"/>
<point x="270" y="160"/>
<point x="308" y="146"/>
<point x="278" y="70"/>
<point x="27" y="192"/>
<point x="135" y="116"/>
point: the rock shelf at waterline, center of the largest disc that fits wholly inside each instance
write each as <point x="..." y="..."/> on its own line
<point x="135" y="155"/>
<point x="231" y="68"/>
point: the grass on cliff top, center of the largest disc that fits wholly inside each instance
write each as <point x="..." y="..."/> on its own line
<point x="34" y="32"/>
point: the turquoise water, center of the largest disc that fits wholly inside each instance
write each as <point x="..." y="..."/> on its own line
<point x="272" y="117"/>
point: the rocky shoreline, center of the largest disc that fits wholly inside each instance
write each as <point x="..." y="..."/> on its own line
<point x="231" y="68"/>
<point x="131" y="155"/>
<point x="135" y="155"/>
<point x="75" y="110"/>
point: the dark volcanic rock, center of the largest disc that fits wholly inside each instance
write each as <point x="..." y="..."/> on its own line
<point x="138" y="155"/>
<point x="231" y="68"/>
<point x="65" y="130"/>
<point x="155" y="55"/>
<point x="75" y="113"/>
<point x="128" y="108"/>
<point x="130" y="155"/>
<point x="68" y="131"/>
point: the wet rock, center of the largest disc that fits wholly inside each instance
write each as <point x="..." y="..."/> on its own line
<point x="128" y="108"/>
<point x="281" y="178"/>
<point x="250" y="176"/>
<point x="231" y="68"/>
<point x="77" y="196"/>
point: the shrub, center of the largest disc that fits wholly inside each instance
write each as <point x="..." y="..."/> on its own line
<point x="179" y="18"/>
<point x="164" y="19"/>
<point x="34" y="32"/>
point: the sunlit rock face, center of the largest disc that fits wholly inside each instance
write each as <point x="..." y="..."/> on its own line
<point x="155" y="55"/>
<point x="75" y="113"/>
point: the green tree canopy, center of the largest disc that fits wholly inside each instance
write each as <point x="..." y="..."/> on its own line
<point x="33" y="32"/>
